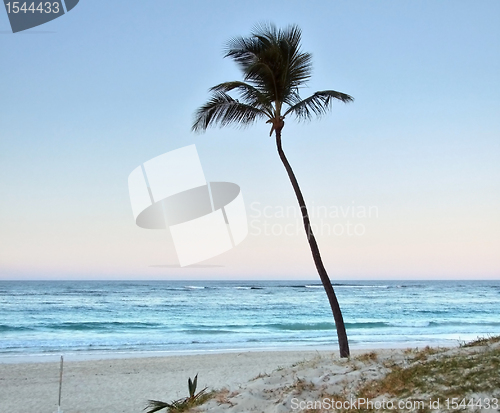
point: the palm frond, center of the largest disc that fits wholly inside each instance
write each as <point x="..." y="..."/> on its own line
<point x="271" y="60"/>
<point x="299" y="63"/>
<point x="223" y="110"/>
<point x="299" y="70"/>
<point x="248" y="93"/>
<point x="156" y="405"/>
<point x="318" y="104"/>
<point x="243" y="50"/>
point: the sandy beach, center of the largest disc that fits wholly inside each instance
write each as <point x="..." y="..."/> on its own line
<point x="278" y="381"/>
<point x="125" y="385"/>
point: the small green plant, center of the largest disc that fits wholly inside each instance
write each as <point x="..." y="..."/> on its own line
<point x="192" y="387"/>
<point x="181" y="405"/>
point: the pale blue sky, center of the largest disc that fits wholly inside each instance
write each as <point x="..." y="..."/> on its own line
<point x="91" y="95"/>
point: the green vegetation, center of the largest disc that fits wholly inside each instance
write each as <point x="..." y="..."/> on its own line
<point x="184" y="404"/>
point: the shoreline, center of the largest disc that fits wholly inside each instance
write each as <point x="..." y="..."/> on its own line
<point x="35" y="358"/>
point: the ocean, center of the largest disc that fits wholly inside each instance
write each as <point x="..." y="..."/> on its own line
<point x="102" y="318"/>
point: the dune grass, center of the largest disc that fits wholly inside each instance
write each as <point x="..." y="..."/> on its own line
<point x="437" y="374"/>
<point x="471" y="372"/>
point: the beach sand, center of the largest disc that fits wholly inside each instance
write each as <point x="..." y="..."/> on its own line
<point x="125" y="385"/>
<point x="274" y="381"/>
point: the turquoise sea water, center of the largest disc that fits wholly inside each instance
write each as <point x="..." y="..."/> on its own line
<point x="96" y="317"/>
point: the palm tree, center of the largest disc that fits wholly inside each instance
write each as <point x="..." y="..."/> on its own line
<point x="274" y="68"/>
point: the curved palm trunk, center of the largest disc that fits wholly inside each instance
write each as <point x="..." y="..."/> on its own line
<point x="332" y="298"/>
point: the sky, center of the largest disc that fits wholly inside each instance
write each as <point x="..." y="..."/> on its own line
<point x="403" y="183"/>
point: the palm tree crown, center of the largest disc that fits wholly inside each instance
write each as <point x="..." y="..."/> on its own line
<point x="274" y="68"/>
